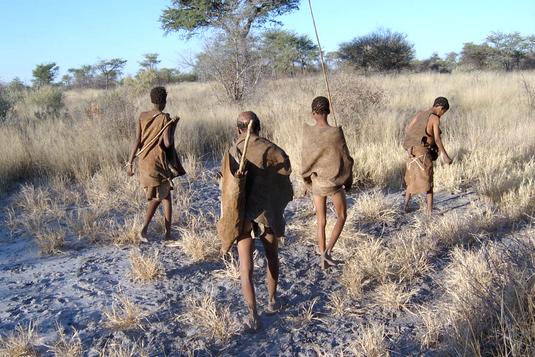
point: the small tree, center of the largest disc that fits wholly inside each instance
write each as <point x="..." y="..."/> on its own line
<point x="509" y="49"/>
<point x="83" y="77"/>
<point x="234" y="20"/>
<point x="382" y="50"/>
<point x="149" y="62"/>
<point x="285" y="52"/>
<point x="476" y="56"/>
<point x="110" y="70"/>
<point x="44" y="74"/>
<point x="10" y="94"/>
<point x="219" y="62"/>
<point x="434" y="64"/>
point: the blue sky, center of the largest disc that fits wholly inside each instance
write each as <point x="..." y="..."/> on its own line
<point x="73" y="33"/>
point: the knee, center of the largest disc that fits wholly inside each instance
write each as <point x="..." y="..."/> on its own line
<point x="342" y="216"/>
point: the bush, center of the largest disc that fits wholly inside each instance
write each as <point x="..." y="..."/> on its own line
<point x="40" y="103"/>
<point x="4" y="104"/>
<point x="9" y="95"/>
<point x="382" y="50"/>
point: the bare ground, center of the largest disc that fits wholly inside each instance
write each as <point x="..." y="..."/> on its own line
<point x="75" y="287"/>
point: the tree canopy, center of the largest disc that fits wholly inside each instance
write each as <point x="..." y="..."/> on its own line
<point x="286" y="52"/>
<point x="149" y="61"/>
<point x="44" y="74"/>
<point x="505" y="51"/>
<point x="235" y="17"/>
<point x="381" y="50"/>
<point x="110" y="70"/>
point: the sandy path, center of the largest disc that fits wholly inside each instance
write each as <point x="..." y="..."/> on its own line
<point x="74" y="288"/>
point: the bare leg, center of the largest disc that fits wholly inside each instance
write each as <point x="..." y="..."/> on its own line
<point x="245" y="252"/>
<point x="321" y="216"/>
<point x="340" y="206"/>
<point x="429" y="199"/>
<point x="167" y="215"/>
<point x="271" y="247"/>
<point x="151" y="209"/>
<point x="407" y="200"/>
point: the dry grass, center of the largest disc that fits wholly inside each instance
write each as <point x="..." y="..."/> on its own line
<point x="231" y="270"/>
<point x="460" y="229"/>
<point x="370" y="258"/>
<point x="127" y="233"/>
<point x="391" y="296"/>
<point x="85" y="224"/>
<point x="409" y="255"/>
<point x="340" y="305"/>
<point x="306" y="316"/>
<point x="145" y="267"/>
<point x="116" y="349"/>
<point x="199" y="239"/>
<point x="67" y="346"/>
<point x="37" y="208"/>
<point x="21" y="343"/>
<point x="487" y="300"/>
<point x="370" y="342"/>
<point x="213" y="320"/>
<point x="124" y="314"/>
<point x="483" y="154"/>
<point x="373" y="207"/>
<point x="50" y="241"/>
<point x="486" y="294"/>
<point x="353" y="278"/>
<point x="432" y="327"/>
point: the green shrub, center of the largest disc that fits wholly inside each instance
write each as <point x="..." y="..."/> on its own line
<point x="40" y="103"/>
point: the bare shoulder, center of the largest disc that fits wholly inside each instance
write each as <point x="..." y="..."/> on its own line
<point x="433" y="118"/>
<point x="144" y="115"/>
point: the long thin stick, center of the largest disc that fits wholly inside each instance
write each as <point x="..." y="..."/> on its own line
<point x="245" y="145"/>
<point x="322" y="62"/>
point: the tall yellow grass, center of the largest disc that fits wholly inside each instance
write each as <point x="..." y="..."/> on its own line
<point x="489" y="129"/>
<point x="486" y="291"/>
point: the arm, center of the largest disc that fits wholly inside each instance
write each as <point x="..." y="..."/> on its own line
<point x="279" y="161"/>
<point x="438" y="140"/>
<point x="134" y="148"/>
<point x="169" y="135"/>
<point x="411" y="122"/>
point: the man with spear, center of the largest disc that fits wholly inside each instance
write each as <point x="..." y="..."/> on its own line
<point x="253" y="198"/>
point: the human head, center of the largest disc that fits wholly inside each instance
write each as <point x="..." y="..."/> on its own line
<point x="320" y="105"/>
<point x="441" y="106"/>
<point x="158" y="97"/>
<point x="243" y="121"/>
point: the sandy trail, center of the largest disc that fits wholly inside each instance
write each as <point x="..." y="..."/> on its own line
<point x="75" y="287"/>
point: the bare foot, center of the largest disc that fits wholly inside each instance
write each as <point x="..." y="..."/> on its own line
<point x="325" y="261"/>
<point x="142" y="236"/>
<point x="252" y="325"/>
<point x="274" y="306"/>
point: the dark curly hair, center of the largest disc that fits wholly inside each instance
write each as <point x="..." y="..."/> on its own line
<point x="245" y="117"/>
<point x="321" y="105"/>
<point x="158" y="95"/>
<point x="442" y="102"/>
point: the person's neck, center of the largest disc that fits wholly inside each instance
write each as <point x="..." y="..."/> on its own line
<point x="436" y="111"/>
<point x="157" y="108"/>
<point x="321" y="120"/>
<point x="244" y="133"/>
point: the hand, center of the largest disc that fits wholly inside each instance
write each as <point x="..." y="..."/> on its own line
<point x="447" y="160"/>
<point x="177" y="119"/>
